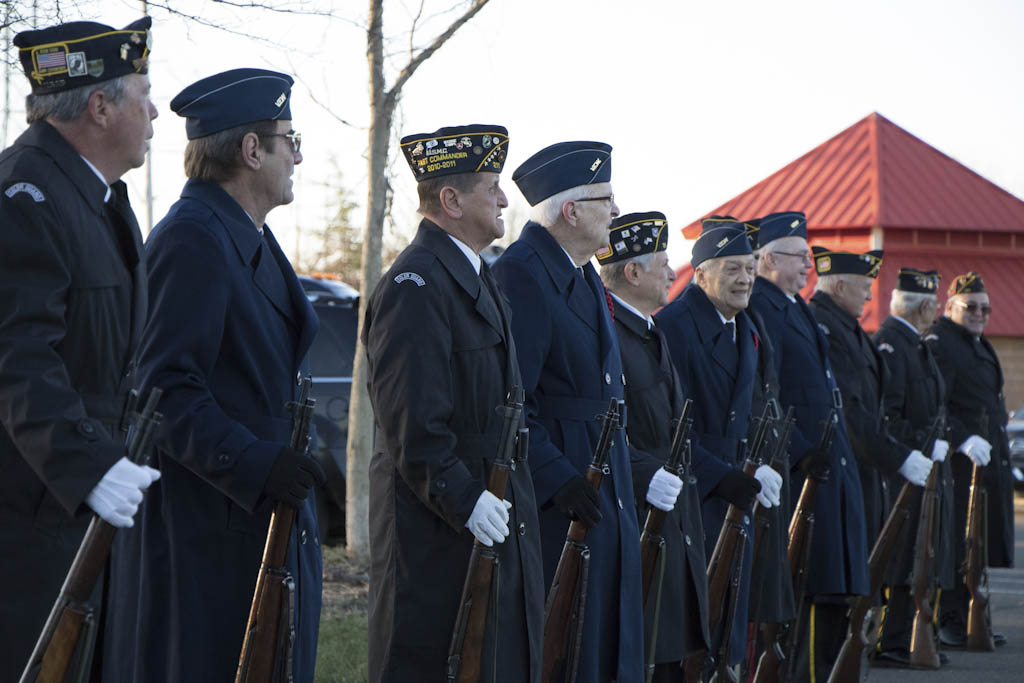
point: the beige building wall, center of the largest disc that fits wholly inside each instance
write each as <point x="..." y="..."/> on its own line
<point x="1011" y="357"/>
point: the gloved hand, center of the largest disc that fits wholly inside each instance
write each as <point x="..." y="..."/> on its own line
<point x="977" y="449"/>
<point x="939" y="450"/>
<point x="815" y="463"/>
<point x="291" y="477"/>
<point x="117" y="496"/>
<point x="664" y="489"/>
<point x="916" y="468"/>
<point x="738" y="488"/>
<point x="578" y="500"/>
<point x="771" y="486"/>
<point x="489" y="520"/>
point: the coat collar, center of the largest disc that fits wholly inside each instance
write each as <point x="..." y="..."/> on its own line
<point x="827" y="302"/>
<point x="771" y="292"/>
<point x="900" y="328"/>
<point x="239" y="225"/>
<point x="45" y="137"/>
<point x="630" y="320"/>
<point x="551" y="254"/>
<point x="705" y="316"/>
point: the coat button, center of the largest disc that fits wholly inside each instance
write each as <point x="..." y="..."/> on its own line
<point x="88" y="428"/>
<point x="441" y="484"/>
<point x="688" y="541"/>
<point x="224" y="458"/>
<point x="623" y="379"/>
<point x="746" y="519"/>
<point x="302" y="537"/>
<point x="298" y="378"/>
<point x="842" y="461"/>
<point x="522" y="528"/>
<point x="619" y="500"/>
<point x="732" y="415"/>
<point x="607" y="378"/>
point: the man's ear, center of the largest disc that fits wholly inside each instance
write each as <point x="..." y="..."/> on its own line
<point x="250" y="151"/>
<point x="569" y="208"/>
<point x="100" y="107"/>
<point x="450" y="202"/>
<point x="629" y="272"/>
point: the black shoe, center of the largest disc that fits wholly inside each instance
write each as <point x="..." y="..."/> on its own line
<point x="943" y="659"/>
<point x="892" y="659"/>
<point x="999" y="639"/>
<point x="952" y="637"/>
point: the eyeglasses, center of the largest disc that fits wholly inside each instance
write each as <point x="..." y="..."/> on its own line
<point x="293" y="137"/>
<point x="974" y="307"/>
<point x="607" y="197"/>
<point x="803" y="255"/>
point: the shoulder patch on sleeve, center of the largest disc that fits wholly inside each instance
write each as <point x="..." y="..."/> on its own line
<point x="887" y="347"/>
<point x="402" y="277"/>
<point x="28" y="188"/>
<point x="932" y="337"/>
<point x="824" y="328"/>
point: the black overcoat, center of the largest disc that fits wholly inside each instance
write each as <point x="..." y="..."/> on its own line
<point x="569" y="361"/>
<point x="861" y="374"/>
<point x="654" y="398"/>
<point x="839" y="553"/>
<point x="72" y="306"/>
<point x="226" y="342"/>
<point x="913" y="397"/>
<point x="974" y="390"/>
<point x="441" y="359"/>
<point x="721" y="375"/>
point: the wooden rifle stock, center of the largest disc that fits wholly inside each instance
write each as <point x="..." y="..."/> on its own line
<point x="267" y="649"/>
<point x="651" y="540"/>
<point x="70" y="628"/>
<point x="465" y="655"/>
<point x="979" y="620"/>
<point x="801" y="528"/>
<point x="563" y="612"/>
<point x="725" y="568"/>
<point x="924" y="649"/>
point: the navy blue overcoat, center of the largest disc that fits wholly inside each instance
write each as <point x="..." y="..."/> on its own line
<point x="226" y="342"/>
<point x="839" y="552"/>
<point x="570" y="366"/>
<point x="721" y="375"/>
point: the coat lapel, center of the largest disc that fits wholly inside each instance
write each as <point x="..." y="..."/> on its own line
<point x="579" y="298"/>
<point x="301" y="310"/>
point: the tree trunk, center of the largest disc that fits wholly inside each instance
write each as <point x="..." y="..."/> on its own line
<point x="360" y="416"/>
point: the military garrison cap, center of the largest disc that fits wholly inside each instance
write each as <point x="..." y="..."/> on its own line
<point x="635" y="234"/>
<point x="456" y="149"/>
<point x="233" y="98"/>
<point x="968" y="283"/>
<point x="720" y="236"/>
<point x="782" y="224"/>
<point x="918" y="281"/>
<point x="828" y="262"/>
<point x="82" y="53"/>
<point x="562" y="166"/>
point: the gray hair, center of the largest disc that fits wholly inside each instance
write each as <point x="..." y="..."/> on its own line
<point x="549" y="211"/>
<point x="906" y="304"/>
<point x="612" y="273"/>
<point x="828" y="283"/>
<point x="68" y="105"/>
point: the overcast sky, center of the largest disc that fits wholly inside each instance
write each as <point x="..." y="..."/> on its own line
<point x="699" y="99"/>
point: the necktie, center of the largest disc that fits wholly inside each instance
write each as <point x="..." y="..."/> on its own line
<point x="730" y="331"/>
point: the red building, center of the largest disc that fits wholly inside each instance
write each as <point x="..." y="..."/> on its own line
<point x="876" y="186"/>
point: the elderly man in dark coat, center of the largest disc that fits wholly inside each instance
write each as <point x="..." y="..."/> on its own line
<point x="441" y="359"/>
<point x="569" y="359"/>
<point x="913" y="398"/>
<point x="977" y="427"/>
<point x="839" y="554"/>
<point x="72" y="307"/>
<point x="635" y="270"/>
<point x="226" y="342"/>
<point x="714" y="346"/>
<point x="843" y="287"/>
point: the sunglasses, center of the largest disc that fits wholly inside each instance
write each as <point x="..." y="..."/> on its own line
<point x="974" y="307"/>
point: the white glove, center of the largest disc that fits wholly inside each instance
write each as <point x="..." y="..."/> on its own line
<point x="771" y="486"/>
<point x="939" y="450"/>
<point x="664" y="489"/>
<point x="916" y="468"/>
<point x="117" y="496"/>
<point x="977" y="449"/>
<point x="489" y="521"/>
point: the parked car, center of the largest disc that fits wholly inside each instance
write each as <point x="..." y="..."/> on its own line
<point x="330" y="362"/>
<point x="1015" y="435"/>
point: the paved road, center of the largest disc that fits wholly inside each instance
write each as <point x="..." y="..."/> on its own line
<point x="1006" y="663"/>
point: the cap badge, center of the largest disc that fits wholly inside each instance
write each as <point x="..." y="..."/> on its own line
<point x="597" y="162"/>
<point x="280" y="100"/>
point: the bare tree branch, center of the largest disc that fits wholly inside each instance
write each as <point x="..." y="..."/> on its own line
<point x="282" y="8"/>
<point x="428" y="51"/>
<point x="412" y="31"/>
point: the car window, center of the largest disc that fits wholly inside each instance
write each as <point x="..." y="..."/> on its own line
<point x="334" y="347"/>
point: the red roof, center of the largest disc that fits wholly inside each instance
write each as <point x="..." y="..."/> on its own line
<point x="876" y="185"/>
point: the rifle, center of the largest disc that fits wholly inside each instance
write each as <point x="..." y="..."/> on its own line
<point x="481" y="586"/>
<point x="651" y="540"/>
<point x="979" y="620"/>
<point x="563" y="612"/>
<point x="851" y="665"/>
<point x="924" y="651"/>
<point x="725" y="569"/>
<point x="71" y="627"/>
<point x="801" y="528"/>
<point x="267" y="650"/>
